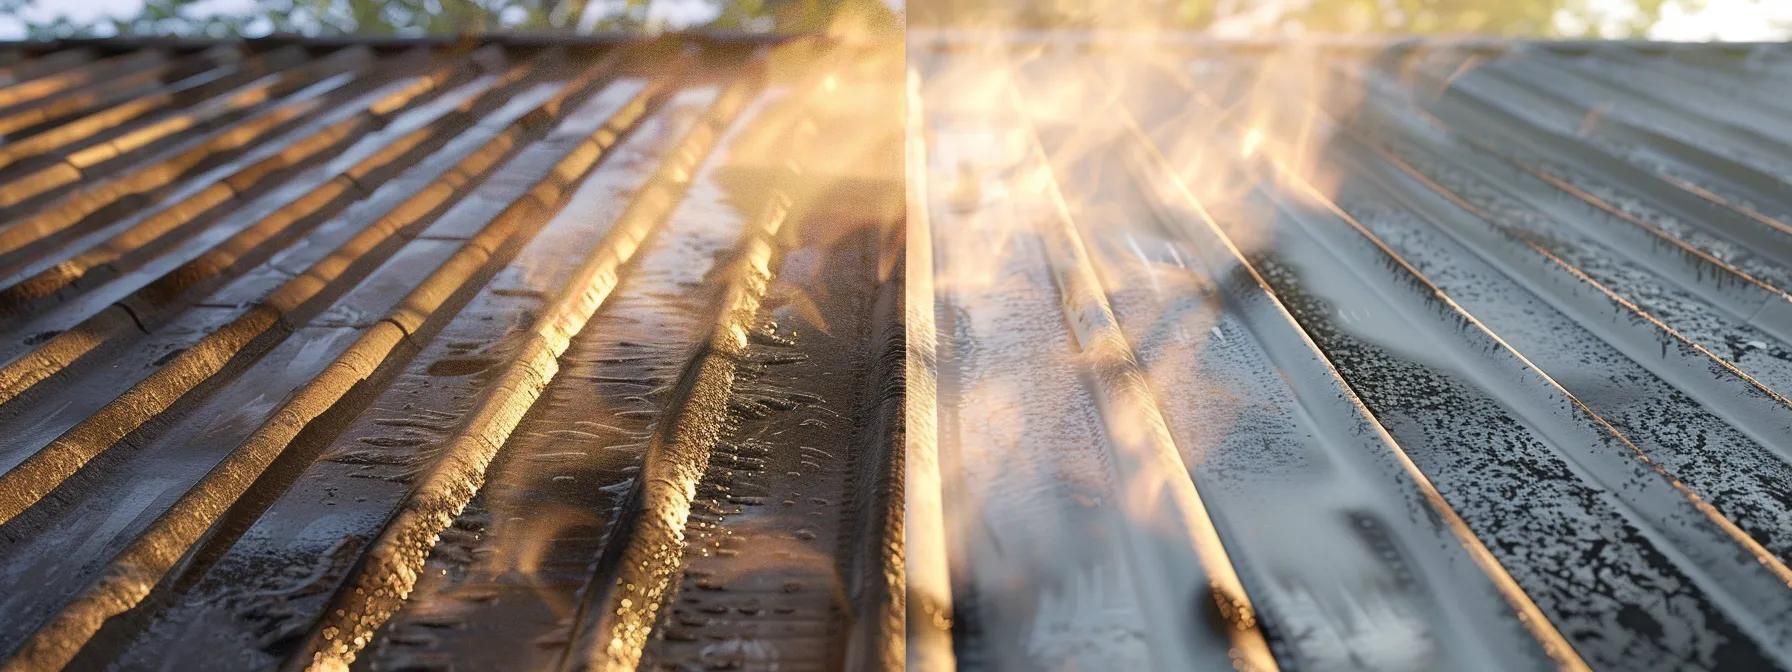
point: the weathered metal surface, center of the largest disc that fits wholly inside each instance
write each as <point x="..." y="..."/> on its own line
<point x="530" y="353"/>
<point x="449" y="354"/>
<point x="1485" y="371"/>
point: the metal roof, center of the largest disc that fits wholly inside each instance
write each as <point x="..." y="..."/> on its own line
<point x="466" y="353"/>
<point x="539" y="351"/>
<point x="1490" y="374"/>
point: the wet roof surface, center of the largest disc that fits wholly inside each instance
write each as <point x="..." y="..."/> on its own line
<point x="612" y="353"/>
<point x="1491" y="372"/>
<point x="433" y="355"/>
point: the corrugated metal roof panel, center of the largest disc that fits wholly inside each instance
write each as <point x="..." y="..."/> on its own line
<point x="539" y="352"/>
<point x="448" y="353"/>
<point x="1479" y="368"/>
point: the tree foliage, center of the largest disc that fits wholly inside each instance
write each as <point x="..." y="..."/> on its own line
<point x="1537" y="18"/>
<point x="1494" y="17"/>
<point x="418" y="17"/>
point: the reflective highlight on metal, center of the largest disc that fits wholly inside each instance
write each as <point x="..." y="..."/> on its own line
<point x="1348" y="355"/>
<point x="420" y="354"/>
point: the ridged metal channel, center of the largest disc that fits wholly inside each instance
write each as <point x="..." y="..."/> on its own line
<point x="450" y="354"/>
<point x="745" y="353"/>
<point x="1491" y="373"/>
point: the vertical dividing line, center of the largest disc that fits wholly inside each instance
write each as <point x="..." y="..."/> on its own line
<point x="929" y="592"/>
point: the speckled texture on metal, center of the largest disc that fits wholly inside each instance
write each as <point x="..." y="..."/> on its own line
<point x="1488" y="370"/>
<point x="734" y="352"/>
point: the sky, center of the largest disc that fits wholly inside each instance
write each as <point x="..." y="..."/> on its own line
<point x="1744" y="20"/>
<point x="1682" y="20"/>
